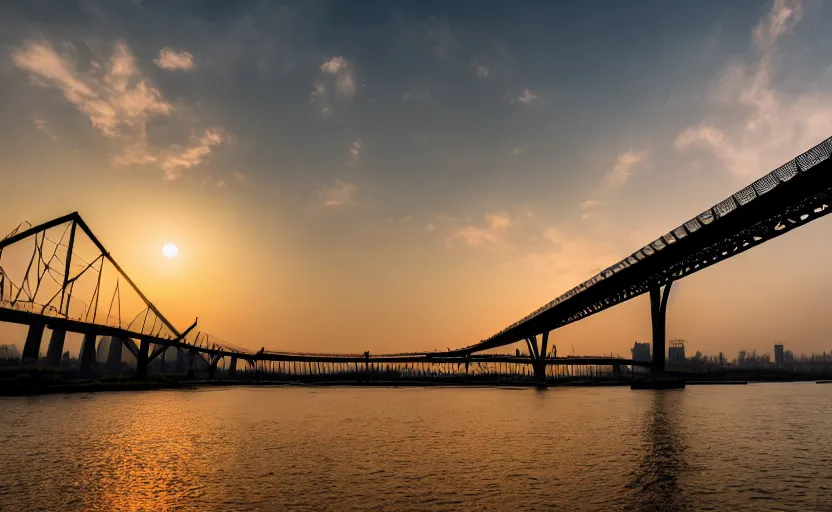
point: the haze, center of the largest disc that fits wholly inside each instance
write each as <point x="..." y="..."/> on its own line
<point x="402" y="176"/>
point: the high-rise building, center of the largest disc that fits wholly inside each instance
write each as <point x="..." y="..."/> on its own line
<point x="641" y="352"/>
<point x="779" y="359"/>
<point x="676" y="352"/>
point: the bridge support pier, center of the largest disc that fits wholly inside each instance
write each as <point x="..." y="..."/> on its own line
<point x="191" y="361"/>
<point x="142" y="360"/>
<point x="114" y="355"/>
<point x="658" y="315"/>
<point x="56" y="348"/>
<point x="31" y="349"/>
<point x="538" y="357"/>
<point x="212" y="366"/>
<point x="163" y="361"/>
<point x="181" y="361"/>
<point x="232" y="368"/>
<point x="87" y="356"/>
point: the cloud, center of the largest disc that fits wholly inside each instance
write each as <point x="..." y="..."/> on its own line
<point x="623" y="168"/>
<point x="588" y="208"/>
<point x="492" y="234"/>
<point x="319" y="97"/>
<point x="474" y="236"/>
<point x="483" y="71"/>
<point x="498" y="221"/>
<point x="175" y="160"/>
<point x="340" y="193"/>
<point x="117" y="100"/>
<point x="784" y="15"/>
<point x="43" y="125"/>
<point x="430" y="227"/>
<point x="527" y="97"/>
<point x="344" y="75"/>
<point x="518" y="151"/>
<point x="339" y="73"/>
<point x="355" y="151"/>
<point x="173" y="60"/>
<point x="775" y="124"/>
<point x="571" y="256"/>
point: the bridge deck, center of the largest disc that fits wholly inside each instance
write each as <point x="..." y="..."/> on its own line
<point x="788" y="197"/>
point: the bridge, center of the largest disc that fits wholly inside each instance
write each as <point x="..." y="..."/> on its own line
<point x="62" y="291"/>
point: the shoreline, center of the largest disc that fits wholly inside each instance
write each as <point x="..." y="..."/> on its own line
<point x="151" y="385"/>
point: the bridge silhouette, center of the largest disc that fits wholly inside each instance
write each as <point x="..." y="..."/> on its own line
<point x="45" y="295"/>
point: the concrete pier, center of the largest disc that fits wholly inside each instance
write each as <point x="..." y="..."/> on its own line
<point x="87" y="356"/>
<point x="56" y="348"/>
<point x="31" y="349"/>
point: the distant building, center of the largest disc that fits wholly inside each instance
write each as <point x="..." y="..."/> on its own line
<point x="641" y="352"/>
<point x="676" y="352"/>
<point x="779" y="356"/>
<point x="9" y="352"/>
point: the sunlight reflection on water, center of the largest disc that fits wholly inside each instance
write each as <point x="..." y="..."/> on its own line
<point x="756" y="447"/>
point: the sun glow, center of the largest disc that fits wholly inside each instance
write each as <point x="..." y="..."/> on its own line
<point x="170" y="250"/>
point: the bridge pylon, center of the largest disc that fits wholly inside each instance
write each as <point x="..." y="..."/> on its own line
<point x="658" y="316"/>
<point x="538" y="356"/>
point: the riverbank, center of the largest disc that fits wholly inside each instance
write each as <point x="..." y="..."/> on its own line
<point x="41" y="381"/>
<point x="121" y="385"/>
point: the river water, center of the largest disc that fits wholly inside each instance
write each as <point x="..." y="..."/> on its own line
<point x="755" y="447"/>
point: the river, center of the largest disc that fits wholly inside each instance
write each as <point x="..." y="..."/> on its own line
<point x="755" y="447"/>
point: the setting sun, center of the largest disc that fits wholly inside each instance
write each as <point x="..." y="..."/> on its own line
<point x="170" y="250"/>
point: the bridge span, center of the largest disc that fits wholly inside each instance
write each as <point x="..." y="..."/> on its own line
<point x="786" y="198"/>
<point x="45" y="295"/>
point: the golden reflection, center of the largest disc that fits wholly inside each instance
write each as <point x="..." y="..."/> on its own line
<point x="154" y="457"/>
<point x="656" y="480"/>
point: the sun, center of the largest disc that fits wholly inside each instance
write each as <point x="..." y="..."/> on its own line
<point x="170" y="250"/>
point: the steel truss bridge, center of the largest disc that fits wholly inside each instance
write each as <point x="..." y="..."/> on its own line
<point x="788" y="197"/>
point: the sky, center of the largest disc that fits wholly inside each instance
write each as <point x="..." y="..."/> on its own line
<point x="409" y="176"/>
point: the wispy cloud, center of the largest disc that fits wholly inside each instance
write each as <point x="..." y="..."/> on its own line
<point x="319" y="97"/>
<point x="570" y="256"/>
<point x="622" y="170"/>
<point x="483" y="71"/>
<point x="569" y="253"/>
<point x="176" y="160"/>
<point x="491" y="234"/>
<point x="517" y="151"/>
<point x="588" y="208"/>
<point x="344" y="74"/>
<point x="527" y="97"/>
<point x="336" y="72"/>
<point x="429" y="227"/>
<point x="43" y="125"/>
<point x="474" y="236"/>
<point x="339" y="193"/>
<point x="118" y="101"/>
<point x="777" y="124"/>
<point x="173" y="60"/>
<point x="498" y="221"/>
<point x="355" y="151"/>
<point x="784" y="15"/>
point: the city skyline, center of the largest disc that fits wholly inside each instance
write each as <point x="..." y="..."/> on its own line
<point x="427" y="195"/>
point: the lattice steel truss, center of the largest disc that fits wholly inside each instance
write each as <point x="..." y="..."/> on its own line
<point x="788" y="197"/>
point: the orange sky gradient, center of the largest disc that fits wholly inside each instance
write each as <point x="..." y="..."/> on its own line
<point x="322" y="202"/>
